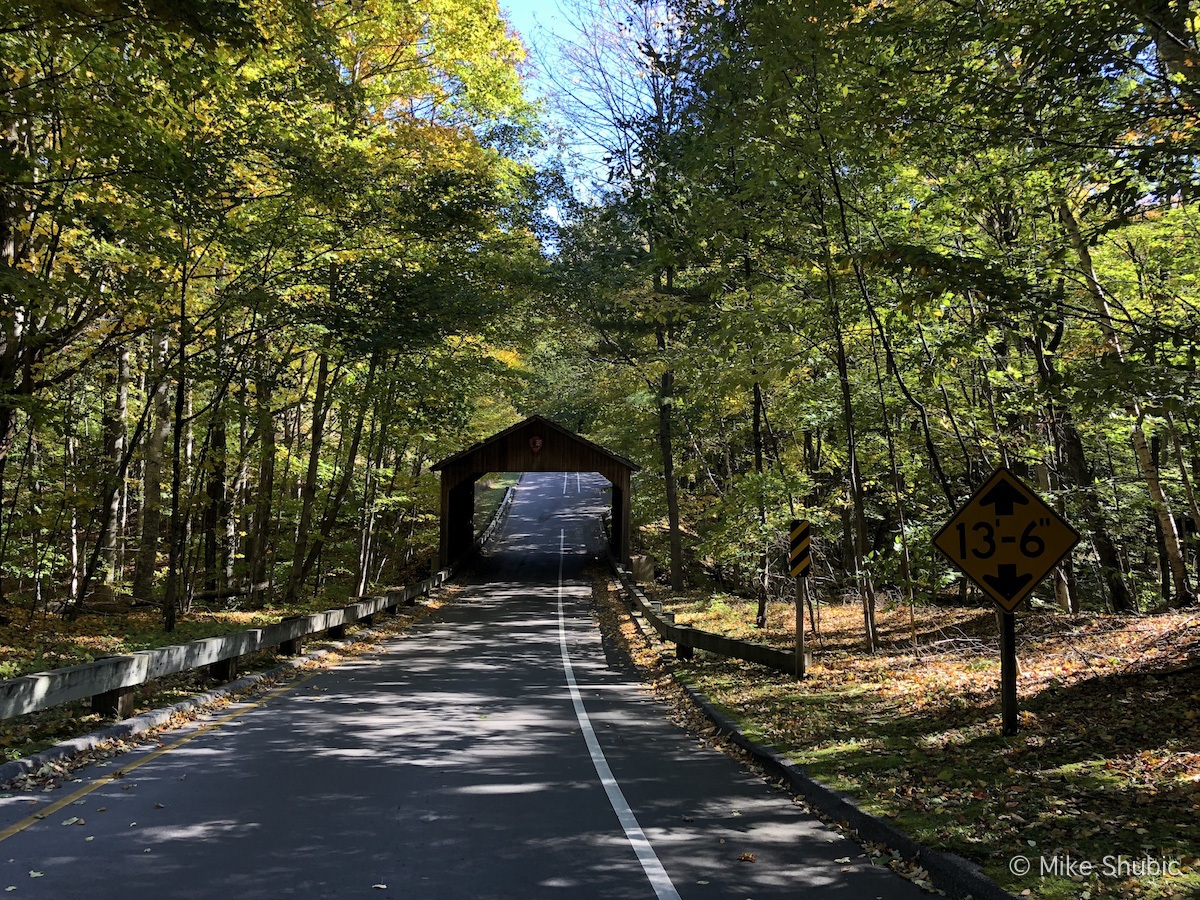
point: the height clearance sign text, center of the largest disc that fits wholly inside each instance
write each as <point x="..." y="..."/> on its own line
<point x="1005" y="539"/>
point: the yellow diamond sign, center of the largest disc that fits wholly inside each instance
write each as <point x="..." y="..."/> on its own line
<point x="1006" y="539"/>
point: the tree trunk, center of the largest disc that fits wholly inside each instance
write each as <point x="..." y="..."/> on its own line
<point x="862" y="578"/>
<point x="216" y="510"/>
<point x="1189" y="491"/>
<point x="15" y="353"/>
<point x="308" y="491"/>
<point x="151" y="507"/>
<point x="338" y="495"/>
<point x="1171" y="550"/>
<point x="1182" y="593"/>
<point x="116" y="434"/>
<point x="74" y="599"/>
<point x="261" y="519"/>
<point x="861" y="575"/>
<point x="897" y="478"/>
<point x="1064" y="585"/>
<point x="178" y="532"/>
<point x="238" y="491"/>
<point x="8" y="434"/>
<point x="666" y="400"/>
<point x="1082" y="477"/>
<point x="366" y="536"/>
<point x="106" y="505"/>
<point x="760" y="620"/>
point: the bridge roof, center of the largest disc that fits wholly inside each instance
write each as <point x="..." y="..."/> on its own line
<point x="510" y="450"/>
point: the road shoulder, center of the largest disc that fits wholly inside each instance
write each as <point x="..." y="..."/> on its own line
<point x="624" y="637"/>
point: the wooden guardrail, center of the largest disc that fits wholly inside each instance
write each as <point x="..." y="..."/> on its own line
<point x="687" y="639"/>
<point x="110" y="681"/>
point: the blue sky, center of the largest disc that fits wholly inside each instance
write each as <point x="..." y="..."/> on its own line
<point x="525" y="14"/>
<point x="534" y="20"/>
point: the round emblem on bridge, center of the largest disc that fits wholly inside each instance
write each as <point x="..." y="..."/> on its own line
<point x="535" y="444"/>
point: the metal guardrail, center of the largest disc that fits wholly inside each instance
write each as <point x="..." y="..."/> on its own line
<point x="496" y="520"/>
<point x="687" y="639"/>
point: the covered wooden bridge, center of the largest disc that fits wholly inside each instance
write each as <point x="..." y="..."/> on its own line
<point x="535" y="445"/>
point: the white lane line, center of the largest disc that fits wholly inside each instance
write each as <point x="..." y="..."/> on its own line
<point x="565" y="477"/>
<point x="659" y="879"/>
<point x="578" y="489"/>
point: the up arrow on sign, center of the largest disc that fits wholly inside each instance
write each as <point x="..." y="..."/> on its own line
<point x="1004" y="497"/>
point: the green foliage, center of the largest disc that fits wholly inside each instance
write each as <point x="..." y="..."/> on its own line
<point x="259" y="186"/>
<point x="868" y="212"/>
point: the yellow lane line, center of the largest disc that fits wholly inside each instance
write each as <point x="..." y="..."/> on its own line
<point x="57" y="805"/>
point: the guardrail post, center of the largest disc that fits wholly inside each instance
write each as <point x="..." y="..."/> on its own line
<point x="641" y="568"/>
<point x="293" y="646"/>
<point x="683" y="647"/>
<point x="224" y="669"/>
<point x="117" y="702"/>
<point x="336" y="632"/>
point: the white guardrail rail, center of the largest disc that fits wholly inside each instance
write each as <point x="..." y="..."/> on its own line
<point x="107" y="678"/>
<point x="111" y="680"/>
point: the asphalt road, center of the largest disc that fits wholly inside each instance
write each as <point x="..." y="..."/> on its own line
<point x="495" y="753"/>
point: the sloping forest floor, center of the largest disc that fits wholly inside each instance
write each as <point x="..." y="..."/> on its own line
<point x="1104" y="774"/>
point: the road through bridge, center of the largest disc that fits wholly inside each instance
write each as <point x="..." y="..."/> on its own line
<point x="497" y="752"/>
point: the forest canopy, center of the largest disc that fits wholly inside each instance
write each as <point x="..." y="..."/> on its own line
<point x="263" y="263"/>
<point x="245" y="245"/>
<point x="855" y="256"/>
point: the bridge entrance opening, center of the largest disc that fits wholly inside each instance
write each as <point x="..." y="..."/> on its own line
<point x="535" y="445"/>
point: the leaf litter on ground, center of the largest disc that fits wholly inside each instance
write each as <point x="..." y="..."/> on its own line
<point x="1106" y="764"/>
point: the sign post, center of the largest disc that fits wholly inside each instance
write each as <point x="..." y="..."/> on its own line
<point x="1005" y="539"/>
<point x="1009" y="719"/>
<point x="800" y="559"/>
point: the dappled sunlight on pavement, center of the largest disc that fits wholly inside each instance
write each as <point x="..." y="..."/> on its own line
<point x="452" y="765"/>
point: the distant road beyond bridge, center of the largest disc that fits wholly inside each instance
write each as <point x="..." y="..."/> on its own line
<point x="495" y="753"/>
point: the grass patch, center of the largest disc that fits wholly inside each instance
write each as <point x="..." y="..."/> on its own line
<point x="489" y="492"/>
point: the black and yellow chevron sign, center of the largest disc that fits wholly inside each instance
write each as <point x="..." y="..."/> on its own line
<point x="800" y="547"/>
